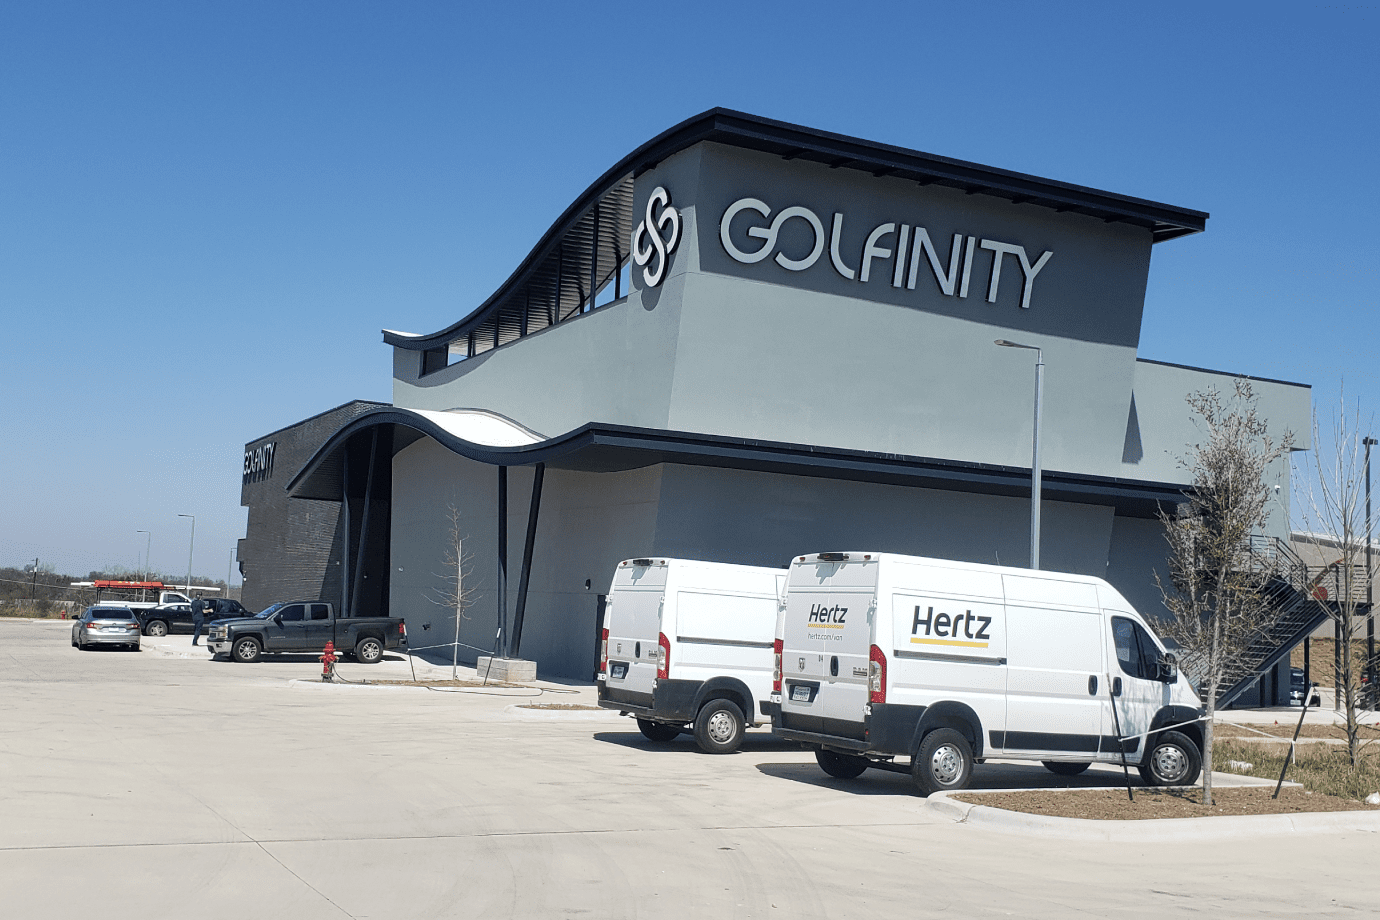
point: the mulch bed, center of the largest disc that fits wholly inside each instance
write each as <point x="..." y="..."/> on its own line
<point x="1112" y="804"/>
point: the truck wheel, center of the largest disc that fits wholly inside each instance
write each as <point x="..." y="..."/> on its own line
<point x="659" y="732"/>
<point x="1173" y="760"/>
<point x="943" y="763"/>
<point x="719" y="727"/>
<point x="156" y="628"/>
<point x="1063" y="768"/>
<point x="246" y="649"/>
<point x="840" y="766"/>
<point x="369" y="650"/>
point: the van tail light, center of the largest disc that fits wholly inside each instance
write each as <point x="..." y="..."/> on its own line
<point x="876" y="676"/>
<point x="663" y="661"/>
<point x="776" y="666"/>
<point x="604" y="651"/>
<point x="402" y="630"/>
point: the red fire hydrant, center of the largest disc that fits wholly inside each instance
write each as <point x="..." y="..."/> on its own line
<point x="328" y="660"/>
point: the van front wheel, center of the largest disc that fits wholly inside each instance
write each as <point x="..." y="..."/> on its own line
<point x="1173" y="760"/>
<point x="719" y="727"/>
<point x="840" y="766"/>
<point x="943" y="763"/>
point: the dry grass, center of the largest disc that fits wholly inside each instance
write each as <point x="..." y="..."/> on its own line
<point x="1228" y="730"/>
<point x="1321" y="652"/>
<point x="563" y="707"/>
<point x="1322" y="769"/>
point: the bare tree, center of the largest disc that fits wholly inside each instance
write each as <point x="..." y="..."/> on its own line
<point x="1215" y="594"/>
<point x="456" y="594"/>
<point x="1331" y="497"/>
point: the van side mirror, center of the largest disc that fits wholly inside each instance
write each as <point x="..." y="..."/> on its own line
<point x="1169" y="668"/>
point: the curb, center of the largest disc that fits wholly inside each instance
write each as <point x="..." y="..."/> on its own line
<point x="302" y="684"/>
<point x="520" y="713"/>
<point x="166" y="652"/>
<point x="1150" y="830"/>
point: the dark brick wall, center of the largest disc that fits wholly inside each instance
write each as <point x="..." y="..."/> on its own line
<point x="292" y="547"/>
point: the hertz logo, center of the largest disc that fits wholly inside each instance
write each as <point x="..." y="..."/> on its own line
<point x="942" y="629"/>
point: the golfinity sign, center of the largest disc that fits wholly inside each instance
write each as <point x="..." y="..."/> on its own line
<point x="258" y="463"/>
<point x="906" y="247"/>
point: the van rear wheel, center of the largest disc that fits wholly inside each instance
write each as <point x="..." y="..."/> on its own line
<point x="943" y="763"/>
<point x="1064" y="768"/>
<point x="659" y="732"/>
<point x="719" y="727"/>
<point x="840" y="766"/>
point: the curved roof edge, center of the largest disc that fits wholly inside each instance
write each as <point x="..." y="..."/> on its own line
<point x="597" y="447"/>
<point x="794" y="142"/>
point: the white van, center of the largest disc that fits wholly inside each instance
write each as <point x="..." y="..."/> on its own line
<point x="950" y="663"/>
<point x="690" y="643"/>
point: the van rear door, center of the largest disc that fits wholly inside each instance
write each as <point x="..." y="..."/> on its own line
<point x="827" y="632"/>
<point x="634" y="622"/>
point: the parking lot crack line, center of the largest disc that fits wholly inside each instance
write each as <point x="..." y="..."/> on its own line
<point x="288" y="869"/>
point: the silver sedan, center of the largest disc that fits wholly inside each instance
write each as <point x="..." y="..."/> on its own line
<point x="106" y="625"/>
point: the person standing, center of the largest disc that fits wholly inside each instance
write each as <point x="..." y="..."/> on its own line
<point x="198" y="618"/>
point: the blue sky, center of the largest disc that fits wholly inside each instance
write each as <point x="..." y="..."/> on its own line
<point x="208" y="211"/>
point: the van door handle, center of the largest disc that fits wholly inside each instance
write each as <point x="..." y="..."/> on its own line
<point x="834" y="666"/>
<point x="1116" y="686"/>
<point x="1092" y="685"/>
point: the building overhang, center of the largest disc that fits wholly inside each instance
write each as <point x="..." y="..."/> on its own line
<point x="603" y="448"/>
<point x="586" y="246"/>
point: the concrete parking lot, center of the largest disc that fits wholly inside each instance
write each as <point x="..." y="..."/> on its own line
<point x="156" y="785"/>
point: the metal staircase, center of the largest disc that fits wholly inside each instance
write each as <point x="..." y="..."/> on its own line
<point x="1305" y="596"/>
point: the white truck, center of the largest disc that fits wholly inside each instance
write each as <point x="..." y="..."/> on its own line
<point x="950" y="663"/>
<point x="688" y="643"/>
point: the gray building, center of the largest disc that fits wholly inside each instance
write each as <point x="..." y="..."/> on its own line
<point x="749" y="340"/>
<point x="292" y="547"/>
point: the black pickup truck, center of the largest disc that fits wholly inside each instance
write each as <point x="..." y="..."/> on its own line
<point x="305" y="626"/>
<point x="165" y="618"/>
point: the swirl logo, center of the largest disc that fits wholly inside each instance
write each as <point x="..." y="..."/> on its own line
<point x="653" y="227"/>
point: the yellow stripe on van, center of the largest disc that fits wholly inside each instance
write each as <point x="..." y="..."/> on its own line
<point x="959" y="642"/>
<point x="824" y="626"/>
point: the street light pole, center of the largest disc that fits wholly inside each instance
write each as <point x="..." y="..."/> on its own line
<point x="1035" y="450"/>
<point x="148" y="544"/>
<point x="190" y="546"/>
<point x="1370" y="579"/>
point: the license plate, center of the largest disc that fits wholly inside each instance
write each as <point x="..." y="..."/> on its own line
<point x="800" y="694"/>
<point x="619" y="671"/>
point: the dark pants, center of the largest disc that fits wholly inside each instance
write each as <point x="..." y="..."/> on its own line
<point x="196" y="631"/>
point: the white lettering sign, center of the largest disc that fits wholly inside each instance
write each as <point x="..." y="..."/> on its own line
<point x="258" y="463"/>
<point x="903" y="245"/>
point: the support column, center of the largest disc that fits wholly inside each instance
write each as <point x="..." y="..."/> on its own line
<point x="362" y="545"/>
<point x="502" y="650"/>
<point x="533" y="508"/>
<point x="347" y="541"/>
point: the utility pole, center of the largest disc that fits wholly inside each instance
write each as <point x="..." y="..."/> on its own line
<point x="1370" y="580"/>
<point x="1035" y="449"/>
<point x="33" y="583"/>
<point x="191" y="545"/>
<point x="148" y="546"/>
